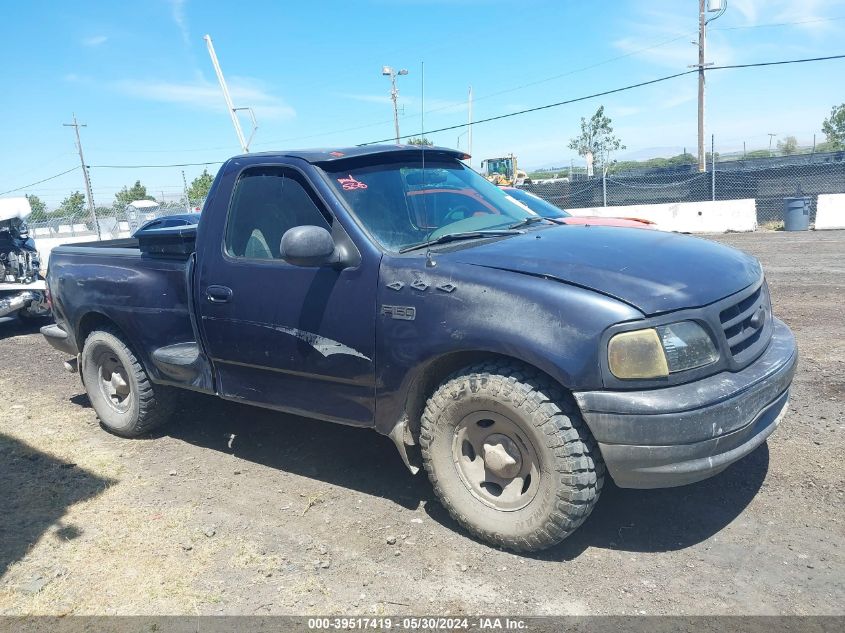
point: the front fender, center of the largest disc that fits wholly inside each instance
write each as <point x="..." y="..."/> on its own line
<point x="427" y="313"/>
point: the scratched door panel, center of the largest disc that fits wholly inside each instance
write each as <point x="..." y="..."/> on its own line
<point x="299" y="339"/>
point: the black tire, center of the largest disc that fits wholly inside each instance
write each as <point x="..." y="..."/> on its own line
<point x="136" y="406"/>
<point x="542" y="423"/>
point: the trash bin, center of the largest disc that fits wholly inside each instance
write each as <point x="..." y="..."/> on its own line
<point x="796" y="213"/>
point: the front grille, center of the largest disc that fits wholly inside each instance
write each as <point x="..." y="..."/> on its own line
<point x="747" y="324"/>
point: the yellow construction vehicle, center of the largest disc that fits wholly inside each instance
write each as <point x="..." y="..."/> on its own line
<point x="504" y="171"/>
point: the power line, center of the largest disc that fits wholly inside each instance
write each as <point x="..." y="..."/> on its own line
<point x="778" y="63"/>
<point x="32" y="184"/>
<point x="571" y="72"/>
<point x="438" y="109"/>
<point x="488" y="96"/>
<point x="545" y="107"/>
<point x="777" y="24"/>
<point x="613" y="91"/>
<point x="486" y="120"/>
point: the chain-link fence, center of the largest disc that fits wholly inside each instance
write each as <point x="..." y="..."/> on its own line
<point x="113" y="222"/>
<point x="767" y="180"/>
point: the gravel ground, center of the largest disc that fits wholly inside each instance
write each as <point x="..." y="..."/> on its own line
<point x="234" y="510"/>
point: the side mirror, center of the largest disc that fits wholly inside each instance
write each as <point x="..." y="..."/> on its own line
<point x="308" y="246"/>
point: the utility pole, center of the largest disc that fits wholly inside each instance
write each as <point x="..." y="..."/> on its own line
<point x="702" y="36"/>
<point x="76" y="125"/>
<point x="771" y="136"/>
<point x="703" y="7"/>
<point x="233" y="111"/>
<point x="185" y="192"/>
<point x="394" y="94"/>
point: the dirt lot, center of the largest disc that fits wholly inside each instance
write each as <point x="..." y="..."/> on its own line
<point x="238" y="511"/>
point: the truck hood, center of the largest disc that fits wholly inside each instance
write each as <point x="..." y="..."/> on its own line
<point x="653" y="271"/>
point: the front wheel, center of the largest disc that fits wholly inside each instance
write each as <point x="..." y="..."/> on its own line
<point x="125" y="400"/>
<point x="509" y="456"/>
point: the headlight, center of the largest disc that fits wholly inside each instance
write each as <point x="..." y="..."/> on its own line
<point x="658" y="352"/>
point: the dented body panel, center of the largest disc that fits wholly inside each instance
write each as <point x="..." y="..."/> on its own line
<point x="551" y="326"/>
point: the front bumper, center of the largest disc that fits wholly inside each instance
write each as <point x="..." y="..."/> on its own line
<point x="678" y="435"/>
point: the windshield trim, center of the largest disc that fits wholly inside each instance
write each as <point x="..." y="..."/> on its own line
<point x="449" y="238"/>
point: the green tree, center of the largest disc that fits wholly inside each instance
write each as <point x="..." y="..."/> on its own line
<point x="200" y="186"/>
<point x="131" y="194"/>
<point x="834" y="127"/>
<point x="39" y="209"/>
<point x="788" y="146"/>
<point x="758" y="153"/>
<point x="683" y="159"/>
<point x="419" y="140"/>
<point x="596" y="142"/>
<point x="654" y="163"/>
<point x="72" y="206"/>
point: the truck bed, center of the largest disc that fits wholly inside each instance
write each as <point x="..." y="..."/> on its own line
<point x="178" y="242"/>
<point x="142" y="287"/>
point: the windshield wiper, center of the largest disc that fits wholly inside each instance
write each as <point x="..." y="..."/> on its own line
<point x="454" y="237"/>
<point x="531" y="219"/>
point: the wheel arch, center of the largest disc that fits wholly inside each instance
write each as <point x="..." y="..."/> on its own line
<point x="95" y="320"/>
<point x="90" y="322"/>
<point x="433" y="373"/>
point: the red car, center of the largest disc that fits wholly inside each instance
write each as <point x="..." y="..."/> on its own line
<point x="551" y="212"/>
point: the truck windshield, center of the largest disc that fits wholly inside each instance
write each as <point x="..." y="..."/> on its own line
<point x="408" y="203"/>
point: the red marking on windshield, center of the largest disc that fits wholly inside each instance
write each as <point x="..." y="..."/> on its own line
<point x="350" y="184"/>
<point x="336" y="154"/>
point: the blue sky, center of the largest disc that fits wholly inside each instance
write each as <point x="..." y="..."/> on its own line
<point x="139" y="75"/>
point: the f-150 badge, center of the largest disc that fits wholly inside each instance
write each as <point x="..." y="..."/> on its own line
<point x="402" y="313"/>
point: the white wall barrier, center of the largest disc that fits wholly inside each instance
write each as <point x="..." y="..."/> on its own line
<point x="720" y="216"/>
<point x="46" y="244"/>
<point x="830" y="211"/>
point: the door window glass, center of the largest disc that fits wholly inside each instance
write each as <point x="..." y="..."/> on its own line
<point x="265" y="204"/>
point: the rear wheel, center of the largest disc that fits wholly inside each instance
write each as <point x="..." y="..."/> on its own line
<point x="125" y="400"/>
<point x="509" y="456"/>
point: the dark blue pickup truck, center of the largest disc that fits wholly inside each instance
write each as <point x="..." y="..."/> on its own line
<point x="519" y="361"/>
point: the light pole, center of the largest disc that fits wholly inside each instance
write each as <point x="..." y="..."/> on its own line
<point x="394" y="94"/>
<point x="233" y="111"/>
<point x="772" y="135"/>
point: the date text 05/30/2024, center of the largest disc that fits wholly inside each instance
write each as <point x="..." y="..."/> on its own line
<point x="416" y="624"/>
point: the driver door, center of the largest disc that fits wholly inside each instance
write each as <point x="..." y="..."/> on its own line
<point x="299" y="339"/>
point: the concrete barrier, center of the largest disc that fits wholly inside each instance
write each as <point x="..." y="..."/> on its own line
<point x="45" y="245"/>
<point x="720" y="216"/>
<point x="830" y="211"/>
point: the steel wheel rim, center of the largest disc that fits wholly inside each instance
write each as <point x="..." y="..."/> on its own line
<point x="496" y="461"/>
<point x="113" y="381"/>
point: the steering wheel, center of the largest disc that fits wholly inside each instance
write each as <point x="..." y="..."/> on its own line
<point x="457" y="214"/>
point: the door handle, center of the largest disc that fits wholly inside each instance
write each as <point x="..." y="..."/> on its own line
<point x="218" y="294"/>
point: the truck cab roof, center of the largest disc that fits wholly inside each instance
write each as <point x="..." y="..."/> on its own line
<point x="320" y="156"/>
